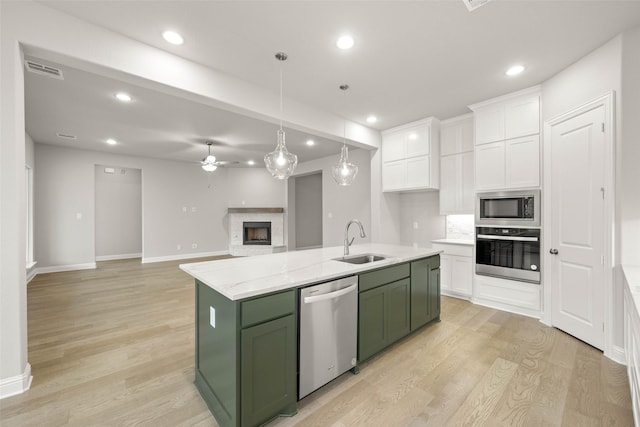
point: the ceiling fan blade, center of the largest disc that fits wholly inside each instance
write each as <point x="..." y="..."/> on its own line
<point x="227" y="162"/>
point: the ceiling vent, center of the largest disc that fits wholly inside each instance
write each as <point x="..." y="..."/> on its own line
<point x="474" y="4"/>
<point x="66" y="136"/>
<point x="43" y="70"/>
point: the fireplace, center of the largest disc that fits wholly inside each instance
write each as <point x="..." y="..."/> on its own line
<point x="256" y="233"/>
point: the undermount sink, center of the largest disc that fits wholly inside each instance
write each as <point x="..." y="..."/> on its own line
<point x="361" y="258"/>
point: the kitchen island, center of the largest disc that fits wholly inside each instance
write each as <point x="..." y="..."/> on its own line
<point x="247" y="319"/>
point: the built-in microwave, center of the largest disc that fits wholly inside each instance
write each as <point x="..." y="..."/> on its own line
<point x="508" y="208"/>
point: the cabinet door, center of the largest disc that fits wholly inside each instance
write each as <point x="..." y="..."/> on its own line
<point x="268" y="370"/>
<point x="394" y="175"/>
<point x="522" y="117"/>
<point x="490" y="169"/>
<point x="461" y="274"/>
<point x="419" y="293"/>
<point x="449" y="140"/>
<point x="417" y="141"/>
<point x="393" y="146"/>
<point x="434" y="292"/>
<point x="467" y="188"/>
<point x="466" y="136"/>
<point x="449" y="184"/>
<point x="418" y="172"/>
<point x="445" y="272"/>
<point x="523" y="162"/>
<point x="397" y="297"/>
<point x="372" y="332"/>
<point x="489" y="124"/>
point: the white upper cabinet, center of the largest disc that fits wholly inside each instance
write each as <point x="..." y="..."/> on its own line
<point x="410" y="156"/>
<point x="507" y="141"/>
<point x="456" y="166"/>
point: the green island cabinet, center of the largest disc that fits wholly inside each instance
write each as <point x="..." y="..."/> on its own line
<point x="395" y="301"/>
<point x="246" y="356"/>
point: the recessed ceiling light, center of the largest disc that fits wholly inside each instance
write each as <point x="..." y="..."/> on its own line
<point x="173" y="37"/>
<point x="311" y="142"/>
<point x="345" y="42"/>
<point x="515" y="70"/>
<point x="251" y="163"/>
<point x="124" y="97"/>
<point x="372" y="119"/>
<point x="111" y="141"/>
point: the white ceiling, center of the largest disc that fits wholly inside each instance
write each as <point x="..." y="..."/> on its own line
<point x="411" y="59"/>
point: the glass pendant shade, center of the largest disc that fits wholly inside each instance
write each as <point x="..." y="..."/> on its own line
<point x="344" y="172"/>
<point x="281" y="163"/>
<point x="209" y="167"/>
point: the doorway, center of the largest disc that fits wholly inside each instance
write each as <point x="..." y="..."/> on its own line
<point x="118" y="207"/>
<point x="578" y="222"/>
<point x="306" y="192"/>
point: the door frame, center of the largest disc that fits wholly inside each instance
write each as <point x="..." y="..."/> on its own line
<point x="608" y="102"/>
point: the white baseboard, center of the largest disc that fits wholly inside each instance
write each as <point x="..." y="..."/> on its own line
<point x="618" y="355"/>
<point x="507" y="307"/>
<point x="182" y="256"/>
<point x="115" y="257"/>
<point x="70" y="267"/>
<point x="16" y="385"/>
<point x="31" y="274"/>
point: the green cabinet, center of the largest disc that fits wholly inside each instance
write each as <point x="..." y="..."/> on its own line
<point x="395" y="301"/>
<point x="425" y="291"/>
<point x="383" y="309"/>
<point x="246" y="356"/>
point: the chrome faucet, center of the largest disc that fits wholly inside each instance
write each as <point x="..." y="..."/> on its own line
<point x="348" y="242"/>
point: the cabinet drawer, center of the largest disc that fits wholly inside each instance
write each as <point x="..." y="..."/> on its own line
<point x="383" y="276"/>
<point x="266" y="308"/>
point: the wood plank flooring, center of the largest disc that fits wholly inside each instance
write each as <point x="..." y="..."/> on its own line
<point x="115" y="346"/>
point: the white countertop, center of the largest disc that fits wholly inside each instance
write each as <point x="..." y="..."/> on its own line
<point x="240" y="278"/>
<point x="454" y="241"/>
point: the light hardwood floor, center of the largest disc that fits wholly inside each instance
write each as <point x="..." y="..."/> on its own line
<point x="114" y="346"/>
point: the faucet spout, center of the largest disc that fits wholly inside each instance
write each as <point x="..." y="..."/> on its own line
<point x="348" y="242"/>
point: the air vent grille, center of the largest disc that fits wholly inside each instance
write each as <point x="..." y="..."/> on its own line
<point x="43" y="70"/>
<point x="66" y="136"/>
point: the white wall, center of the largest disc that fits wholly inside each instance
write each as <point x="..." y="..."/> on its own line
<point x="629" y="153"/>
<point x="255" y="188"/>
<point x="587" y="79"/>
<point x="65" y="188"/>
<point x="422" y="208"/>
<point x="118" y="212"/>
<point x="340" y="204"/>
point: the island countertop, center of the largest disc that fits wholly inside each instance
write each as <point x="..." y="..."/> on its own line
<point x="240" y="278"/>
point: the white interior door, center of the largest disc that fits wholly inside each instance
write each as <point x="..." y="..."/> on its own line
<point x="575" y="250"/>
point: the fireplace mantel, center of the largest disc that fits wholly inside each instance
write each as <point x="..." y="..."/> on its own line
<point x="254" y="210"/>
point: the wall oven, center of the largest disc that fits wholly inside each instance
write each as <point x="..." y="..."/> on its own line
<point x="509" y="208"/>
<point x="508" y="253"/>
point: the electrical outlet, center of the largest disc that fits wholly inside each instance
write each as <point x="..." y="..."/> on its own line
<point x="415" y="225"/>
<point x="330" y="215"/>
<point x="415" y="246"/>
<point x="184" y="209"/>
<point x="79" y="215"/>
<point x="193" y="209"/>
<point x="194" y="246"/>
<point x="179" y="247"/>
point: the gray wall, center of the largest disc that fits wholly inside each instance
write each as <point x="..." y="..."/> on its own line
<point x="340" y="204"/>
<point x="64" y="180"/>
<point x="308" y="211"/>
<point x="118" y="212"/>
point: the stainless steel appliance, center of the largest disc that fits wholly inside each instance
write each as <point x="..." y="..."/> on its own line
<point x="509" y="253"/>
<point x="509" y="208"/>
<point x="328" y="332"/>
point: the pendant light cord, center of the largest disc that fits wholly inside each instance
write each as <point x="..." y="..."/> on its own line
<point x="280" y="95"/>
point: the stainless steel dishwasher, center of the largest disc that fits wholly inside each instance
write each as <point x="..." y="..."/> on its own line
<point x="328" y="332"/>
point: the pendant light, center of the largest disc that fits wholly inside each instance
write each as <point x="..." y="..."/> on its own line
<point x="281" y="163"/>
<point x="344" y="172"/>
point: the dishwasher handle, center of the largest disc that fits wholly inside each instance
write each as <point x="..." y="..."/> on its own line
<point x="331" y="295"/>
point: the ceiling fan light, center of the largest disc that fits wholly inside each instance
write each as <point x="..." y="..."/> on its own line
<point x="209" y="159"/>
<point x="209" y="167"/>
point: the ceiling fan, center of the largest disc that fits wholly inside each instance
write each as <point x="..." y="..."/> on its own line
<point x="210" y="164"/>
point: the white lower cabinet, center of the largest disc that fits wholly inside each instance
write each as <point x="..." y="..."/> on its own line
<point x="509" y="295"/>
<point x="456" y="269"/>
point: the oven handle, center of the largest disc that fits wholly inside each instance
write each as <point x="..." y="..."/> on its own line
<point x="517" y="239"/>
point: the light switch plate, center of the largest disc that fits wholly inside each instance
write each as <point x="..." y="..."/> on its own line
<point x="212" y="316"/>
